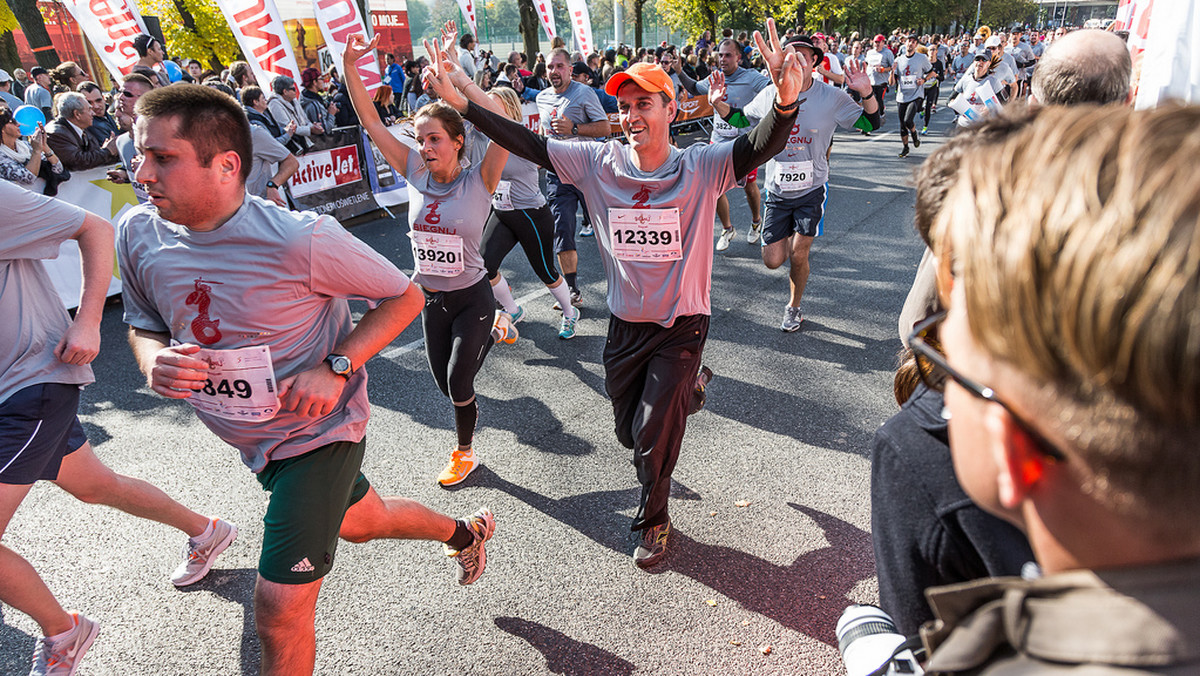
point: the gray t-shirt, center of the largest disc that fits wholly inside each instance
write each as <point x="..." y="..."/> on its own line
<point x="740" y="89"/>
<point x="690" y="180"/>
<point x="455" y="212"/>
<point x="823" y="108"/>
<point x="577" y="103"/>
<point x="524" y="191"/>
<point x="266" y="154"/>
<point x="877" y="59"/>
<point x="268" y="276"/>
<point x="38" y="97"/>
<point x="32" y="227"/>
<point x="909" y="69"/>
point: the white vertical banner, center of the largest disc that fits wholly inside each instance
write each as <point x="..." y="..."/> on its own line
<point x="545" y="12"/>
<point x="468" y="11"/>
<point x="111" y="26"/>
<point x="581" y="24"/>
<point x="1170" y="63"/>
<point x="260" y="34"/>
<point x="339" y="19"/>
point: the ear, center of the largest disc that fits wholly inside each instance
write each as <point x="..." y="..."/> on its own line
<point x="1020" y="465"/>
<point x="230" y="164"/>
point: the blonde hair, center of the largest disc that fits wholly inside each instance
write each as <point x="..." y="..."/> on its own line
<point x="508" y="98"/>
<point x="1078" y="248"/>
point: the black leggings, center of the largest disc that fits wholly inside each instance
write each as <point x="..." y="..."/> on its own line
<point x="458" y="334"/>
<point x="533" y="229"/>
<point x="908" y="117"/>
<point x="931" y="99"/>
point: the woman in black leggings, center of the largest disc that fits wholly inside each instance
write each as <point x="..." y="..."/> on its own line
<point x="446" y="212"/>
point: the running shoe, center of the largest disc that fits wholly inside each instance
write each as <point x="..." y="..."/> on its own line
<point x="518" y="315"/>
<point x="925" y="130"/>
<point x="472" y="559"/>
<point x="587" y="231"/>
<point x="726" y="237"/>
<point x="62" y="657"/>
<point x="791" y="319"/>
<point x="199" y="556"/>
<point x="904" y="152"/>
<point x="754" y="234"/>
<point x="566" y="330"/>
<point x="503" y="330"/>
<point x="461" y="464"/>
<point x="652" y="546"/>
<point x="916" y="140"/>
<point x="864" y="132"/>
<point x="576" y="300"/>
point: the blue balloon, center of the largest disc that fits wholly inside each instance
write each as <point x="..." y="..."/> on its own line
<point x="29" y="117"/>
<point x="174" y="72"/>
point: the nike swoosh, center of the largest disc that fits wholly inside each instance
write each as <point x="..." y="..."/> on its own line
<point x="483" y="318"/>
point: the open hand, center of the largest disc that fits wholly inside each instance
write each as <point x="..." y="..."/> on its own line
<point x="716" y="87"/>
<point x="787" y="71"/>
<point x="438" y="74"/>
<point x="857" y="78"/>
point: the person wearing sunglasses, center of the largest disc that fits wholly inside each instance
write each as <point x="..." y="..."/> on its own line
<point x="1072" y="388"/>
<point x="31" y="164"/>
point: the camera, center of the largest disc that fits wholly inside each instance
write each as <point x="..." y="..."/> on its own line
<point x="871" y="646"/>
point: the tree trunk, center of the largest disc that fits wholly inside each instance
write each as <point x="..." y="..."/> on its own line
<point x="801" y="8"/>
<point x="638" y="23"/>
<point x="711" y="15"/>
<point x="189" y="22"/>
<point x="530" y="25"/>
<point x="34" y="27"/>
<point x="10" y="60"/>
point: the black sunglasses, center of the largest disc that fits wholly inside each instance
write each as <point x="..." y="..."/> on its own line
<point x="934" y="370"/>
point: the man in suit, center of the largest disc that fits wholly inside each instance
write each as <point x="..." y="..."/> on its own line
<point x="103" y="124"/>
<point x="68" y="137"/>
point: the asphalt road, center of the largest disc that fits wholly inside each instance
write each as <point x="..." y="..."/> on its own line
<point x="770" y="505"/>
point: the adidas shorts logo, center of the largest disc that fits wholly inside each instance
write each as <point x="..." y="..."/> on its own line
<point x="303" y="567"/>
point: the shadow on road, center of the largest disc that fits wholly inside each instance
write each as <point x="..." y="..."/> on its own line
<point x="564" y="655"/>
<point x="806" y="596"/>
<point x="16" y="647"/>
<point x="236" y="585"/>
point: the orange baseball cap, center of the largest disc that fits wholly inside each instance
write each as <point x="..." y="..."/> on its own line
<point x="648" y="76"/>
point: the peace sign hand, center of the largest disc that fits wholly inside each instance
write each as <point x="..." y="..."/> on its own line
<point x="785" y="67"/>
<point x="356" y="48"/>
<point x="439" y="76"/>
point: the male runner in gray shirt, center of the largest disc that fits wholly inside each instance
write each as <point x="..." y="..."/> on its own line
<point x="240" y="307"/>
<point x="741" y="86"/>
<point x="568" y="111"/>
<point x="652" y="204"/>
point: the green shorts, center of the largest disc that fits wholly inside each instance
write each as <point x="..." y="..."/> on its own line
<point x="310" y="494"/>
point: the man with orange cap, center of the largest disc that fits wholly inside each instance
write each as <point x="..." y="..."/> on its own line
<point x="651" y="204"/>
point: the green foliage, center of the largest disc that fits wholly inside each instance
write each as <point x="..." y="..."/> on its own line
<point x="210" y="37"/>
<point x="8" y="20"/>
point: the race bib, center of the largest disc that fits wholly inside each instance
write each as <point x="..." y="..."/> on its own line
<point x="723" y="128"/>
<point x="240" y="386"/>
<point x="795" y="176"/>
<point x="502" y="198"/>
<point x="908" y="81"/>
<point x="645" y="234"/>
<point x="437" y="254"/>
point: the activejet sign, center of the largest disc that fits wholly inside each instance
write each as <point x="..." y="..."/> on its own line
<point x="325" y="169"/>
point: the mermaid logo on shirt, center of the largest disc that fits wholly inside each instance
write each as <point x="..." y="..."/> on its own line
<point x="204" y="328"/>
<point x="641" y="197"/>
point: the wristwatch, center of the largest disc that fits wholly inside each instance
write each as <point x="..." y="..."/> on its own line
<point x="574" y="129"/>
<point x="272" y="184"/>
<point x="340" y="364"/>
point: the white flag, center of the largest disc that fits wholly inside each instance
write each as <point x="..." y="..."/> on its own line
<point x="581" y="24"/>
<point x="1168" y="66"/>
<point x="545" y="12"/>
<point x="468" y="12"/>
<point x="339" y="19"/>
<point x="260" y="34"/>
<point x="111" y="26"/>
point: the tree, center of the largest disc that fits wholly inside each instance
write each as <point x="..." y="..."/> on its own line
<point x="530" y="26"/>
<point x="195" y="29"/>
<point x="9" y="59"/>
<point x="33" y="24"/>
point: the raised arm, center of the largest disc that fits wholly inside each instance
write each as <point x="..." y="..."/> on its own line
<point x="448" y="68"/>
<point x="395" y="152"/>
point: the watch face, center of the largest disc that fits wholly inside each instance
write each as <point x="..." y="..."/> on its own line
<point x="340" y="364"/>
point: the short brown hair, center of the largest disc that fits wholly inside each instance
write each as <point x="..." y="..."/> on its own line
<point x="210" y="120"/>
<point x="1077" y="243"/>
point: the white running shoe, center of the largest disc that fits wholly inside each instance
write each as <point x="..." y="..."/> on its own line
<point x="792" y="319"/>
<point x="62" y="657"/>
<point x="200" y="556"/>
<point x="726" y="237"/>
<point x="754" y="233"/>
